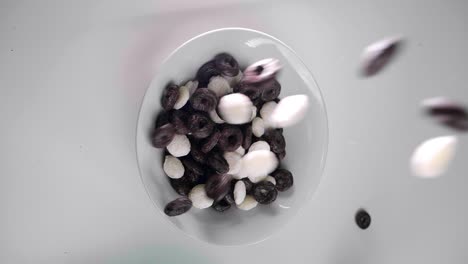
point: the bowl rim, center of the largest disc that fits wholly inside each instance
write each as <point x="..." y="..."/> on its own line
<point x="323" y="155"/>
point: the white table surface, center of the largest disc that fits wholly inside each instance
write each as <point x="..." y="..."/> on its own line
<point x="73" y="74"/>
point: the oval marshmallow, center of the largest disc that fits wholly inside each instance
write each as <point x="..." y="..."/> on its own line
<point x="432" y="157"/>
<point x="179" y="146"/>
<point x="235" y="162"/>
<point x="240" y="150"/>
<point x="289" y="111"/>
<point x="258" y="163"/>
<point x="235" y="108"/>
<point x="184" y="96"/>
<point x="219" y="86"/>
<point x="248" y="203"/>
<point x="259" y="145"/>
<point x="266" y="111"/>
<point x="239" y="192"/>
<point x="258" y="127"/>
<point x="199" y="198"/>
<point x="215" y="117"/>
<point x="173" y="167"/>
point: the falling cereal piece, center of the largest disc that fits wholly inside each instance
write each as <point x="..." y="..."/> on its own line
<point x="289" y="111"/>
<point x="447" y="112"/>
<point x="261" y="70"/>
<point x="248" y="203"/>
<point x="184" y="95"/>
<point x="432" y="157"/>
<point x="377" y="55"/>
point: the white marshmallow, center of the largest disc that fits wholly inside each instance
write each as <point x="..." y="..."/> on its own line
<point x="254" y="113"/>
<point x="215" y="117"/>
<point x="235" y="108"/>
<point x="258" y="164"/>
<point x="248" y="203"/>
<point x="235" y="162"/>
<point x="179" y="146"/>
<point x="266" y="111"/>
<point x="432" y="157"/>
<point x="173" y="167"/>
<point x="258" y="127"/>
<point x="199" y="198"/>
<point x="240" y="150"/>
<point x="192" y="86"/>
<point x="219" y="86"/>
<point x="289" y="111"/>
<point x="259" y="145"/>
<point x="184" y="96"/>
<point x="239" y="192"/>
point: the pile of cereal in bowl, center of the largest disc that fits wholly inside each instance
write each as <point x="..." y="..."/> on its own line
<point x="222" y="134"/>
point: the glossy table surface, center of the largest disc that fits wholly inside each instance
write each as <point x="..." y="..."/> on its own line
<point x="73" y="75"/>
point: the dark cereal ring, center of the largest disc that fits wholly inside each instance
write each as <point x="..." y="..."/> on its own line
<point x="205" y="72"/>
<point x="216" y="161"/>
<point x="170" y="96"/>
<point x="231" y="138"/>
<point x="218" y="185"/>
<point x="250" y="90"/>
<point x="211" y="141"/>
<point x="221" y="206"/>
<point x="270" y="89"/>
<point x="163" y="136"/>
<point x="226" y="64"/>
<point x="204" y="100"/>
<point x="162" y="119"/>
<point x="284" y="179"/>
<point x="265" y="192"/>
<point x="197" y="154"/>
<point x="179" y="120"/>
<point x="200" y="125"/>
<point x="182" y="185"/>
<point x="192" y="165"/>
<point x="276" y="140"/>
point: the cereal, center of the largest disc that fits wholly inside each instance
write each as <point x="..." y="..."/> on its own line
<point x="205" y="72"/>
<point x="173" y="167"/>
<point x="231" y="138"/>
<point x="276" y="140"/>
<point x="432" y="157"/>
<point x="235" y="108"/>
<point x="199" y="197"/>
<point x="208" y="124"/>
<point x="200" y="126"/>
<point x="209" y="143"/>
<point x="178" y="206"/>
<point x="249" y="203"/>
<point x="284" y="179"/>
<point x="447" y="112"/>
<point x="239" y="192"/>
<point x="179" y="146"/>
<point x="259" y="145"/>
<point x="265" y="192"/>
<point x="289" y="111"/>
<point x="377" y="55"/>
<point x="169" y="97"/>
<point x="258" y="127"/>
<point x="226" y="64"/>
<point x="218" y="185"/>
<point x="163" y="136"/>
<point x="204" y="100"/>
<point x="261" y="70"/>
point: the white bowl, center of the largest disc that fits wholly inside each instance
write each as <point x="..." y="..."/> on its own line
<point x="306" y="142"/>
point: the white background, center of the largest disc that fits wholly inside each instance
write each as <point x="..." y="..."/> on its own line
<point x="73" y="74"/>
